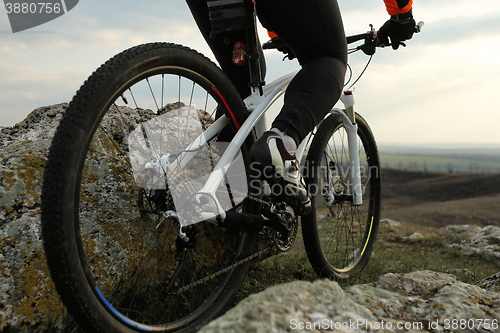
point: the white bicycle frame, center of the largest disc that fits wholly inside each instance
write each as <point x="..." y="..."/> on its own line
<point x="257" y="105"/>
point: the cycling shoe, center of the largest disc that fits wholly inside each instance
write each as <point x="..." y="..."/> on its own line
<point x="281" y="170"/>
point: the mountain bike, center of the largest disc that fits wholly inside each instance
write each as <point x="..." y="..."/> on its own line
<point x="151" y="213"/>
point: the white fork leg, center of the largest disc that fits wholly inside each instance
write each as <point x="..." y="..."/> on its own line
<point x="349" y="119"/>
<point x="352" y="139"/>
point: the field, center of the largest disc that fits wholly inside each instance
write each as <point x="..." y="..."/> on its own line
<point x="467" y="159"/>
<point x="436" y="200"/>
<point x="448" y="164"/>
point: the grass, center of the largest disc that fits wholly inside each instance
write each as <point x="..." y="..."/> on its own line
<point x="394" y="252"/>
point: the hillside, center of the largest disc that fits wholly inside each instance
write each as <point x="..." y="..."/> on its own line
<point x="455" y="158"/>
<point x="437" y="200"/>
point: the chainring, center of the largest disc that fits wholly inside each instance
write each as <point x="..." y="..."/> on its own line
<point x="283" y="241"/>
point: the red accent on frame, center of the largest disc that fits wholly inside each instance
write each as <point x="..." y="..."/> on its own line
<point x="228" y="108"/>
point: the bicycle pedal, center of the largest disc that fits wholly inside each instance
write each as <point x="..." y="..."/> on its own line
<point x="282" y="208"/>
<point x="276" y="221"/>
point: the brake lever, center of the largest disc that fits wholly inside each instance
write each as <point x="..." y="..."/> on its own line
<point x="371" y="42"/>
<point x="368" y="47"/>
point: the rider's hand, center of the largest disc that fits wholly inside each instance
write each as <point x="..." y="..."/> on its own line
<point x="397" y="31"/>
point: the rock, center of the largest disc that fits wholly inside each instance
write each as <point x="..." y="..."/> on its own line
<point x="485" y="242"/>
<point x="27" y="296"/>
<point x="416" y="302"/>
<point x="487" y="235"/>
<point x="491" y="282"/>
<point x="415" y="235"/>
<point x="468" y="230"/>
<point x="276" y="309"/>
<point x="29" y="303"/>
<point x="389" y="222"/>
<point x="28" y="300"/>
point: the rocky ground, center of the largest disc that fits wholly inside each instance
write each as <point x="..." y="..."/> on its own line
<point x="28" y="302"/>
<point x="422" y="301"/>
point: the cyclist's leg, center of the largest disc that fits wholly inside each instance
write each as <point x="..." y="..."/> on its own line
<point x="314" y="31"/>
<point x="222" y="47"/>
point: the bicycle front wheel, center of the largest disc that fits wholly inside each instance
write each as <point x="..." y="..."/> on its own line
<point x="338" y="235"/>
<point x="111" y="222"/>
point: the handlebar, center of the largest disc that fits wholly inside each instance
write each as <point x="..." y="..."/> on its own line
<point x="373" y="34"/>
<point x="419" y="26"/>
<point x="355" y="38"/>
<point x="370" y="38"/>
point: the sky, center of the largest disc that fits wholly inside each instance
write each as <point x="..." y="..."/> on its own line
<point x="441" y="90"/>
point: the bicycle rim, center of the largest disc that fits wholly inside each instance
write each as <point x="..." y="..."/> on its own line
<point x="339" y="234"/>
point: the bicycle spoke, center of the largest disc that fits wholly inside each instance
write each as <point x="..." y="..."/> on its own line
<point x="344" y="233"/>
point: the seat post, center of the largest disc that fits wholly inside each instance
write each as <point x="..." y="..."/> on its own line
<point x="254" y="56"/>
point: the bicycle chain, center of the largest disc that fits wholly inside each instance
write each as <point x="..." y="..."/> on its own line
<point x="271" y="236"/>
<point x="252" y="198"/>
<point x="220" y="272"/>
<point x="236" y="264"/>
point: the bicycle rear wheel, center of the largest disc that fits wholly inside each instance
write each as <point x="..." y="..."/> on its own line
<point x="338" y="235"/>
<point x="111" y="222"/>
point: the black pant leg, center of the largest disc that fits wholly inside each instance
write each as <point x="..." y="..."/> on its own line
<point x="314" y="30"/>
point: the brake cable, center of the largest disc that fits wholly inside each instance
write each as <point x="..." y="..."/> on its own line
<point x="360" y="75"/>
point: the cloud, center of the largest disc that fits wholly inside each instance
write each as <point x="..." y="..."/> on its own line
<point x="434" y="95"/>
<point x="413" y="94"/>
<point x="47" y="64"/>
<point x="455" y="29"/>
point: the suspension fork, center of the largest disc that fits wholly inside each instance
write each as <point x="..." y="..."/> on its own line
<point x="349" y="120"/>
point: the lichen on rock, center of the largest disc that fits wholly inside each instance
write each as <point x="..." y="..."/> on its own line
<point x="27" y="295"/>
